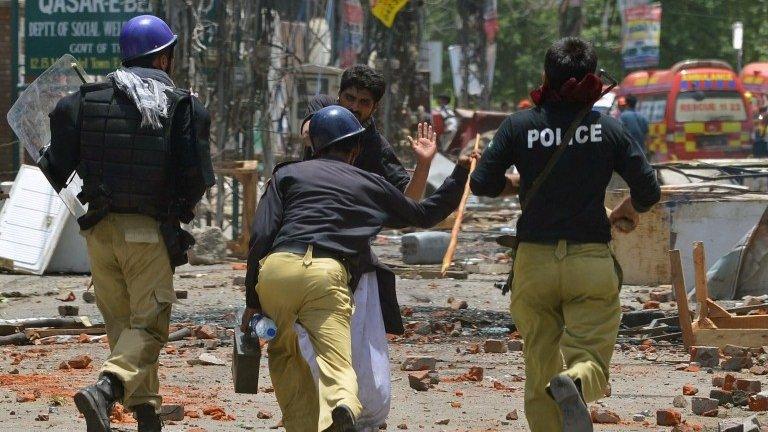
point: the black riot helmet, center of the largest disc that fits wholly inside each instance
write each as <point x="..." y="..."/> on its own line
<point x="332" y="125"/>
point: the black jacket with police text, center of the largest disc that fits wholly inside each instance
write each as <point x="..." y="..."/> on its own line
<point x="570" y="203"/>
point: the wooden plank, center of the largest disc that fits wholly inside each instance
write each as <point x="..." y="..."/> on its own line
<point x="752" y="338"/>
<point x="742" y="322"/>
<point x="700" y="272"/>
<point x="716" y="311"/>
<point x="678" y="283"/>
<point x="41" y="333"/>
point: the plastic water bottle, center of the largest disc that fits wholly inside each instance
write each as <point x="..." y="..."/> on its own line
<point x="263" y="327"/>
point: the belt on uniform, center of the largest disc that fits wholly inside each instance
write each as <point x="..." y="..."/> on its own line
<point x="317" y="252"/>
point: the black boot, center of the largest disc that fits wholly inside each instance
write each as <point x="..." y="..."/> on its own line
<point x="575" y="414"/>
<point x="95" y="402"/>
<point x="343" y="420"/>
<point x="147" y="418"/>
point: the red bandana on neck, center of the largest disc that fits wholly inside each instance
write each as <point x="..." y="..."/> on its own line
<point x="586" y="91"/>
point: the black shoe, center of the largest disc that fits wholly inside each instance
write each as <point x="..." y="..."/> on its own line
<point x="343" y="420"/>
<point x="147" y="418"/>
<point x="95" y="402"/>
<point x="576" y="416"/>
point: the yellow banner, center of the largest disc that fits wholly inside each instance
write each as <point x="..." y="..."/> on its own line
<point x="386" y="10"/>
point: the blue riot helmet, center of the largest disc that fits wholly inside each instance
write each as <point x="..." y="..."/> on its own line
<point x="144" y="35"/>
<point x="331" y="125"/>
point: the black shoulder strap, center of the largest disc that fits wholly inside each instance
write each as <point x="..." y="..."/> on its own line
<point x="569" y="134"/>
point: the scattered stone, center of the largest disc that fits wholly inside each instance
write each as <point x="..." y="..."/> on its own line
<point x="423" y="329"/>
<point x="512" y="415"/>
<point x="455" y="404"/>
<point x="402" y="426"/>
<point x="749" y="424"/>
<point x="668" y="417"/>
<point x="515" y="345"/>
<point x="172" y="412"/>
<point x="26" y="397"/>
<point x="459" y="304"/>
<point x="758" y="370"/>
<point x="718" y="381"/>
<point x="419" y="380"/>
<point x="651" y="304"/>
<point x="729" y="382"/>
<point x="693" y="367"/>
<point x="206" y="359"/>
<point x="700" y="405"/>
<point x="689" y="390"/>
<point x="181" y="294"/>
<point x="723" y="396"/>
<point x="638" y="418"/>
<point x="758" y="402"/>
<point x="79" y="362"/>
<point x="419" y="364"/>
<point x="604" y="416"/>
<point x="737" y="363"/>
<point x="473" y="348"/>
<point x="238" y="281"/>
<point x="205" y="332"/>
<point x="264" y="415"/>
<point x="706" y="356"/>
<point x="679" y="401"/>
<point x="749" y="386"/>
<point x="210" y="246"/>
<point x="739" y="398"/>
<point x="42" y="417"/>
<point x="89" y="297"/>
<point x="495" y="346"/>
<point x="661" y="296"/>
<point x="475" y="374"/>
<point x="211" y="344"/>
<point x="442" y="422"/>
<point x="69" y="310"/>
<point x="434" y="378"/>
<point x="66" y="296"/>
<point x="736" y="351"/>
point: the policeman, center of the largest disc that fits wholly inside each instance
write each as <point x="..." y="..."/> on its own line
<point x="761" y="133"/>
<point x="141" y="147"/>
<point x="315" y="222"/>
<point x="565" y="297"/>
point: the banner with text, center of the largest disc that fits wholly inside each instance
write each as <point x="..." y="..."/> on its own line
<point x="641" y="36"/>
<point x="87" y="29"/>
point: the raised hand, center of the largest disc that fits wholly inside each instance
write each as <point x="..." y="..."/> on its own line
<point x="425" y="144"/>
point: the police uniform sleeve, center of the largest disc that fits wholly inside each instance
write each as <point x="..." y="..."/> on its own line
<point x="266" y="225"/>
<point x="401" y="211"/>
<point x="634" y="168"/>
<point x="393" y="169"/>
<point x="489" y="178"/>
<point x="63" y="155"/>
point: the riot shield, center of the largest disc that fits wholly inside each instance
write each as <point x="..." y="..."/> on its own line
<point x="28" y="118"/>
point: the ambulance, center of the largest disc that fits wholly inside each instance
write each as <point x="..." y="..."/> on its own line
<point x="697" y="109"/>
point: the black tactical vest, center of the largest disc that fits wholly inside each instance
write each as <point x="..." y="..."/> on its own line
<point x="125" y="168"/>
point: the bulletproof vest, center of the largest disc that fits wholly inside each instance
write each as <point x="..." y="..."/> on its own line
<point x="125" y="167"/>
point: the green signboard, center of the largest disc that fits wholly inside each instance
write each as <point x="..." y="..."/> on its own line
<point x="87" y="29"/>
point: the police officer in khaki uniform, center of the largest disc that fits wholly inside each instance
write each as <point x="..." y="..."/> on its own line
<point x="565" y="298"/>
<point x="141" y="147"/>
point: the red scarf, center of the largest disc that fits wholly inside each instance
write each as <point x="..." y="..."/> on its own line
<point x="586" y="91"/>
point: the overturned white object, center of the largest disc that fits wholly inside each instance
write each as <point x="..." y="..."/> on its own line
<point x="37" y="232"/>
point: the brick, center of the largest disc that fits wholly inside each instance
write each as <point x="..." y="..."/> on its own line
<point x="739" y="398"/>
<point x="723" y="396"/>
<point x="736" y="363"/>
<point x="172" y="412"/>
<point x="419" y="364"/>
<point x="679" y="401"/>
<point x="708" y="357"/>
<point x="729" y="382"/>
<point x="495" y="346"/>
<point x="205" y="332"/>
<point x="758" y="402"/>
<point x="512" y="415"/>
<point x="419" y="380"/>
<point x="651" y="304"/>
<point x="700" y="405"/>
<point x="604" y="416"/>
<point x="661" y="296"/>
<point x="515" y="345"/>
<point x="668" y="417"/>
<point x="79" y="362"/>
<point x="758" y="370"/>
<point x="748" y="385"/>
<point x="718" y="381"/>
<point x="689" y="390"/>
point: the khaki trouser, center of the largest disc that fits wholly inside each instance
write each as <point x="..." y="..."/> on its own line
<point x="565" y="303"/>
<point x="133" y="283"/>
<point x="313" y="292"/>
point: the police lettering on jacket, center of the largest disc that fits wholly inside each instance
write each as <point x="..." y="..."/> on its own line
<point x="546" y="137"/>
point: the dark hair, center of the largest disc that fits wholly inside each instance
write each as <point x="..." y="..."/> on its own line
<point x="363" y="77"/>
<point x="569" y="57"/>
<point x="147" y="60"/>
<point x="444" y="97"/>
<point x="344" y="146"/>
<point x="631" y="101"/>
